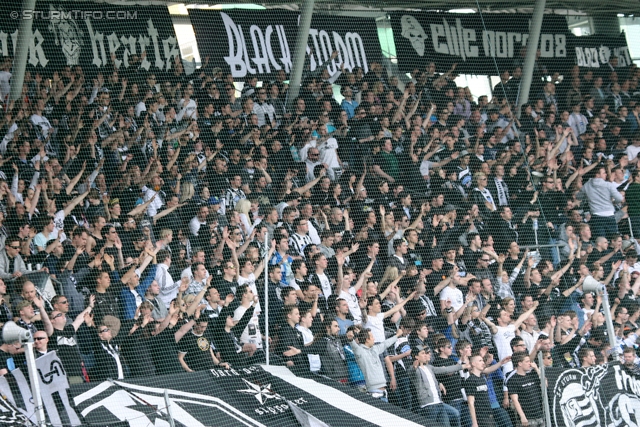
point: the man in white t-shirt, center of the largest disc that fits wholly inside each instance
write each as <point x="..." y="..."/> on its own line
<point x="328" y="147"/>
<point x="251" y="338"/>
<point x="350" y="293"/>
<point x="320" y="278"/>
<point x="39" y="122"/>
<point x="452" y="293"/>
<point x="505" y="331"/>
<point x="634" y="149"/>
<point x="375" y="316"/>
<point x="187" y="108"/>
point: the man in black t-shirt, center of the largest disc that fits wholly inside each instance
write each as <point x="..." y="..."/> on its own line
<point x="195" y="351"/>
<point x="476" y="389"/>
<point x="65" y="342"/>
<point x="226" y="283"/>
<point x="524" y="391"/>
<point x="452" y="382"/>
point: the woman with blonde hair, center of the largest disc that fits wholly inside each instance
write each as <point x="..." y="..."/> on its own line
<point x="187" y="191"/>
<point x="166" y="237"/>
<point x="390" y="274"/>
<point x="243" y="207"/>
<point x="389" y="282"/>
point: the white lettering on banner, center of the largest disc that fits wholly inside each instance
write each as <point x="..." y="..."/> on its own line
<point x="153" y="33"/>
<point x="97" y="46"/>
<point x="625" y="381"/>
<point x="128" y="45"/>
<point x="267" y="38"/>
<point x="260" y="58"/>
<point x="36" y="53"/>
<point x="593" y="57"/>
<point x="170" y="50"/>
<point x="502" y="45"/>
<point x="437" y="31"/>
<point x="456" y="40"/>
<point x="350" y="49"/>
<point x="624" y="59"/>
<point x="284" y="48"/>
<point x="355" y="51"/>
<point x="114" y="45"/>
<point x="263" y="55"/>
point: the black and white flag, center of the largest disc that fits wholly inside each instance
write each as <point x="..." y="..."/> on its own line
<point x="253" y="396"/>
<point x="54" y="385"/>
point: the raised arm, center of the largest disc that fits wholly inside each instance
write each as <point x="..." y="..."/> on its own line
<point x="492" y="327"/>
<point x="48" y="327"/>
<point x="527" y="273"/>
<point x="614" y="268"/>
<point x="181" y="332"/>
<point x="141" y="208"/>
<point x="75" y="202"/>
<point x="390" y="287"/>
<point x="166" y="212"/>
<point x="260" y="267"/>
<point x="400" y="305"/>
<point x="524" y="316"/>
<point x="79" y="320"/>
<point x="364" y="276"/>
<point x="309" y="185"/>
<point x="75" y="179"/>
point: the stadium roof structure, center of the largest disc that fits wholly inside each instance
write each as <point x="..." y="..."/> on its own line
<point x="569" y="7"/>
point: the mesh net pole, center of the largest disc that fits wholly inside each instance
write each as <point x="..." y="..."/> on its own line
<point x="544" y="389"/>
<point x="24" y="35"/>
<point x="266" y="294"/>
<point x="532" y="48"/>
<point x="299" y="54"/>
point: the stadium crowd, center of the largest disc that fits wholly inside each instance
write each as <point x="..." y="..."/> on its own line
<point x="423" y="245"/>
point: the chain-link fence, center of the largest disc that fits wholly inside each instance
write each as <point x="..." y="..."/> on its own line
<point x="209" y="219"/>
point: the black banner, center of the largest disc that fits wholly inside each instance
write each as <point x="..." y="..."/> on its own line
<point x="606" y="395"/>
<point x="88" y="34"/>
<point x="261" y="43"/>
<point x="253" y="396"/>
<point x="595" y="51"/>
<point x="448" y="38"/>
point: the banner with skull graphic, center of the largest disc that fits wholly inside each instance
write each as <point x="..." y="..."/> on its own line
<point x="92" y="35"/>
<point x="475" y="46"/>
<point x="599" y="396"/>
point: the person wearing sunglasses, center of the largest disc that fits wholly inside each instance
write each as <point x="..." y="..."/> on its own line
<point x="107" y="354"/>
<point x="40" y="344"/>
<point x="64" y="341"/>
<point x="11" y="263"/>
